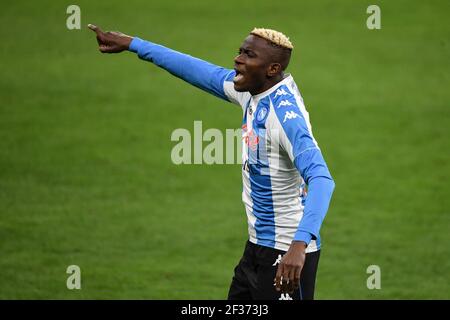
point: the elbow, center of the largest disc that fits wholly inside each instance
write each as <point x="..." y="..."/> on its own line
<point x="332" y="184"/>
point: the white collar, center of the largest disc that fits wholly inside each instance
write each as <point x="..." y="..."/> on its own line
<point x="287" y="78"/>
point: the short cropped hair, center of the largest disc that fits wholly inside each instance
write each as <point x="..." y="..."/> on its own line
<point x="275" y="37"/>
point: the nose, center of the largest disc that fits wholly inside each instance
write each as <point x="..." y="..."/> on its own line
<point x="238" y="59"/>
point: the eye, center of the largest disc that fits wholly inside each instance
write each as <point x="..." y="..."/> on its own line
<point x="248" y="53"/>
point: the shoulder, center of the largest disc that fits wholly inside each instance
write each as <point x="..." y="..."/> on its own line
<point x="287" y="104"/>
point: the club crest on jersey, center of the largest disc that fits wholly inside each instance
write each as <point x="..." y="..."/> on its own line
<point x="262" y="114"/>
<point x="290" y="115"/>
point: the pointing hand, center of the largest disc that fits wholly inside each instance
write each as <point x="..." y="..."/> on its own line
<point x="111" y="42"/>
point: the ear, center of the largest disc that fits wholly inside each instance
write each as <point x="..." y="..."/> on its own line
<point x="273" y="69"/>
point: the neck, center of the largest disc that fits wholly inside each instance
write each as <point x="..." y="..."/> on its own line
<point x="268" y="84"/>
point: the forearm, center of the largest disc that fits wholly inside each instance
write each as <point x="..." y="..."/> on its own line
<point x="317" y="202"/>
<point x="197" y="72"/>
<point x="320" y="189"/>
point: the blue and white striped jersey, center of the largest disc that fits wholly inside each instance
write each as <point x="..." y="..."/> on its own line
<point x="276" y="131"/>
<point x="280" y="155"/>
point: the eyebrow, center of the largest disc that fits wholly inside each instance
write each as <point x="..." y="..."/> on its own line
<point x="247" y="50"/>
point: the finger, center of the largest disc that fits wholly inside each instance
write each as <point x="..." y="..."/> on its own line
<point x="297" y="276"/>
<point x="285" y="282"/>
<point x="278" y="277"/>
<point x="94" y="28"/>
<point x="291" y="284"/>
<point x="116" y="33"/>
<point x="99" y="32"/>
<point x="106" y="48"/>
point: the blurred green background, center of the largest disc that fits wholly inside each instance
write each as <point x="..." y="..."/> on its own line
<point x="85" y="170"/>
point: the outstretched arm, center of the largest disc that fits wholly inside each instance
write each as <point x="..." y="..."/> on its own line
<point x="197" y="72"/>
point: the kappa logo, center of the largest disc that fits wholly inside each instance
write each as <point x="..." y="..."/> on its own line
<point x="285" y="296"/>
<point x="277" y="261"/>
<point x="285" y="103"/>
<point x="290" y="115"/>
<point x="280" y="92"/>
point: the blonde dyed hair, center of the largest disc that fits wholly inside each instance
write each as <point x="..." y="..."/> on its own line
<point x="274" y="37"/>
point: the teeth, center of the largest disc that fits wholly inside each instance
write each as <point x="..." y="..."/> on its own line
<point x="238" y="77"/>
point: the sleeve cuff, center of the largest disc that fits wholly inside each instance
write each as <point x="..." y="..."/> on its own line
<point x="135" y="44"/>
<point x="304" y="236"/>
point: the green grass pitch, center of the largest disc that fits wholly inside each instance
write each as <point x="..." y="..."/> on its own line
<point x="85" y="170"/>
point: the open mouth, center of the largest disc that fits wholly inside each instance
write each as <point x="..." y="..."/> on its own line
<point x="238" y="77"/>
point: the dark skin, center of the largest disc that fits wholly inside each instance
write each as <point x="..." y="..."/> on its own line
<point x="261" y="65"/>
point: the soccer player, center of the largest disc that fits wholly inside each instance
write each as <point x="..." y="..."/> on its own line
<point x="280" y="159"/>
